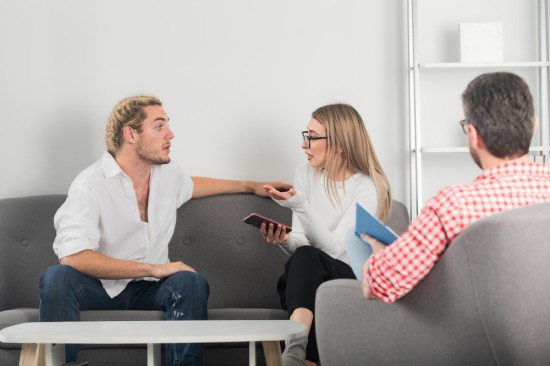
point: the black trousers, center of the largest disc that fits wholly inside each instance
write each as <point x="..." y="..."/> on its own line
<point x="305" y="271"/>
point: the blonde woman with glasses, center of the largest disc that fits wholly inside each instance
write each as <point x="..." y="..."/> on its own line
<point x="342" y="169"/>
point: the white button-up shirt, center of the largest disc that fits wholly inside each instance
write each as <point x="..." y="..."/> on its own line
<point x="101" y="214"/>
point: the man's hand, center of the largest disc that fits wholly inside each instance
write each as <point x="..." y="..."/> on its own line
<point x="167" y="269"/>
<point x="367" y="292"/>
<point x="375" y="244"/>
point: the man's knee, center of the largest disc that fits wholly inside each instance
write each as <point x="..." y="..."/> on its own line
<point x="190" y="282"/>
<point x="56" y="277"/>
<point x="186" y="296"/>
<point x="58" y="300"/>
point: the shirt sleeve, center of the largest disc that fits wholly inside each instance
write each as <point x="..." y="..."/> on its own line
<point x="77" y="224"/>
<point x="314" y="231"/>
<point x="394" y="271"/>
<point x="185" y="185"/>
<point x="309" y="228"/>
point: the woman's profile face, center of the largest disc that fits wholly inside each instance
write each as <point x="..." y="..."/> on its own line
<point x="316" y="149"/>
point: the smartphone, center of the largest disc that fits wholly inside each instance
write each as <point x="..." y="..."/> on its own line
<point x="257" y="220"/>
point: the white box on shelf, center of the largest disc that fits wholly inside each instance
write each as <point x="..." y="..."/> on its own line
<point x="481" y="42"/>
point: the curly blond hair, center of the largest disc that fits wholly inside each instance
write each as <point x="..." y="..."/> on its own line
<point x="128" y="112"/>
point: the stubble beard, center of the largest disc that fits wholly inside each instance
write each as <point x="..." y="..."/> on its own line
<point x="475" y="157"/>
<point x="151" y="160"/>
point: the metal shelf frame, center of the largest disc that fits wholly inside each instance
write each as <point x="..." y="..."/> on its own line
<point x="415" y="128"/>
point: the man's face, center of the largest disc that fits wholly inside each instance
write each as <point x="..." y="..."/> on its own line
<point x="153" y="145"/>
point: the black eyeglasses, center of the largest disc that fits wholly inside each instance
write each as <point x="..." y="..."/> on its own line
<point x="307" y="138"/>
<point x="464" y="124"/>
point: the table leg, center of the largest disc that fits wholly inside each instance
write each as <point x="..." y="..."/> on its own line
<point x="251" y="353"/>
<point x="54" y="354"/>
<point x="31" y="355"/>
<point x="272" y="353"/>
<point x="153" y="354"/>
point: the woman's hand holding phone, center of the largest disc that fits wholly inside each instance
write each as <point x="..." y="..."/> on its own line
<point x="272" y="230"/>
<point x="274" y="234"/>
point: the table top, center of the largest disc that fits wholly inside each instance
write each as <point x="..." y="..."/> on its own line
<point x="147" y="332"/>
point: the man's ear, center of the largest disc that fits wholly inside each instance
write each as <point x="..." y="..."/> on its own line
<point x="474" y="137"/>
<point x="129" y="134"/>
<point x="535" y="124"/>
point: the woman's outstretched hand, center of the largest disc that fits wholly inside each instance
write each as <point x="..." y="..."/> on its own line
<point x="276" y="234"/>
<point x="278" y="195"/>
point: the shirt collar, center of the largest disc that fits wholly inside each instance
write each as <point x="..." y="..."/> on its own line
<point x="110" y="166"/>
<point x="513" y="167"/>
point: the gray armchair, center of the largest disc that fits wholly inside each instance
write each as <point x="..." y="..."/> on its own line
<point x="485" y="303"/>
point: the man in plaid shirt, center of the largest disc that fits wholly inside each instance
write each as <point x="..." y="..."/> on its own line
<point x="499" y="123"/>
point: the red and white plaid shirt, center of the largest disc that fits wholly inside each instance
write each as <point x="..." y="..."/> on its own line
<point x="394" y="271"/>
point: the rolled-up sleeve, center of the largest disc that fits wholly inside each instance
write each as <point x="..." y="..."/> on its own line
<point x="393" y="272"/>
<point x="77" y="224"/>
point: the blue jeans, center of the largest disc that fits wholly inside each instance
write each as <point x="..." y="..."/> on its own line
<point x="64" y="292"/>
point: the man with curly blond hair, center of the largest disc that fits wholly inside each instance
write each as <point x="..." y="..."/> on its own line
<point x="114" y="228"/>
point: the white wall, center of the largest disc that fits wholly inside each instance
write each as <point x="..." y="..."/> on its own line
<point x="238" y="78"/>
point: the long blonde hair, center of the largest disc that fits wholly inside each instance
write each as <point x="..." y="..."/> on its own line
<point x="348" y="138"/>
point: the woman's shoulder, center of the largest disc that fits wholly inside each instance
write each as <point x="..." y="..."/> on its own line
<point x="362" y="179"/>
<point x="360" y="185"/>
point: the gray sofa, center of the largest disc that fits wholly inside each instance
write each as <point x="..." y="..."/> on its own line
<point x="484" y="303"/>
<point x="242" y="269"/>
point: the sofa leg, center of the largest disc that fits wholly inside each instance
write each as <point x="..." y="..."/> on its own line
<point x="32" y="354"/>
<point x="272" y="353"/>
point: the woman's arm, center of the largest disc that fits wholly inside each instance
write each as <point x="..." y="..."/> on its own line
<point x="310" y="226"/>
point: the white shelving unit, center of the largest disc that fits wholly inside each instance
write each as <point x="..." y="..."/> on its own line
<point x="417" y="149"/>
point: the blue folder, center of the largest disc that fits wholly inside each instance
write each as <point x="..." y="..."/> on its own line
<point x="358" y="251"/>
<point x="365" y="223"/>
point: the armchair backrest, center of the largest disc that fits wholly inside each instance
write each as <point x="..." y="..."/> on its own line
<point x="399" y="217"/>
<point x="484" y="303"/>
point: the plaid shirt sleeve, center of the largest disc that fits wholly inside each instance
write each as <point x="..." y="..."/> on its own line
<point x="393" y="272"/>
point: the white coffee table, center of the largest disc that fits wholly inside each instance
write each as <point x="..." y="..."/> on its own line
<point x="44" y="343"/>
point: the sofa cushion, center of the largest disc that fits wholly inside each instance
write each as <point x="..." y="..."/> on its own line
<point x="241" y="268"/>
